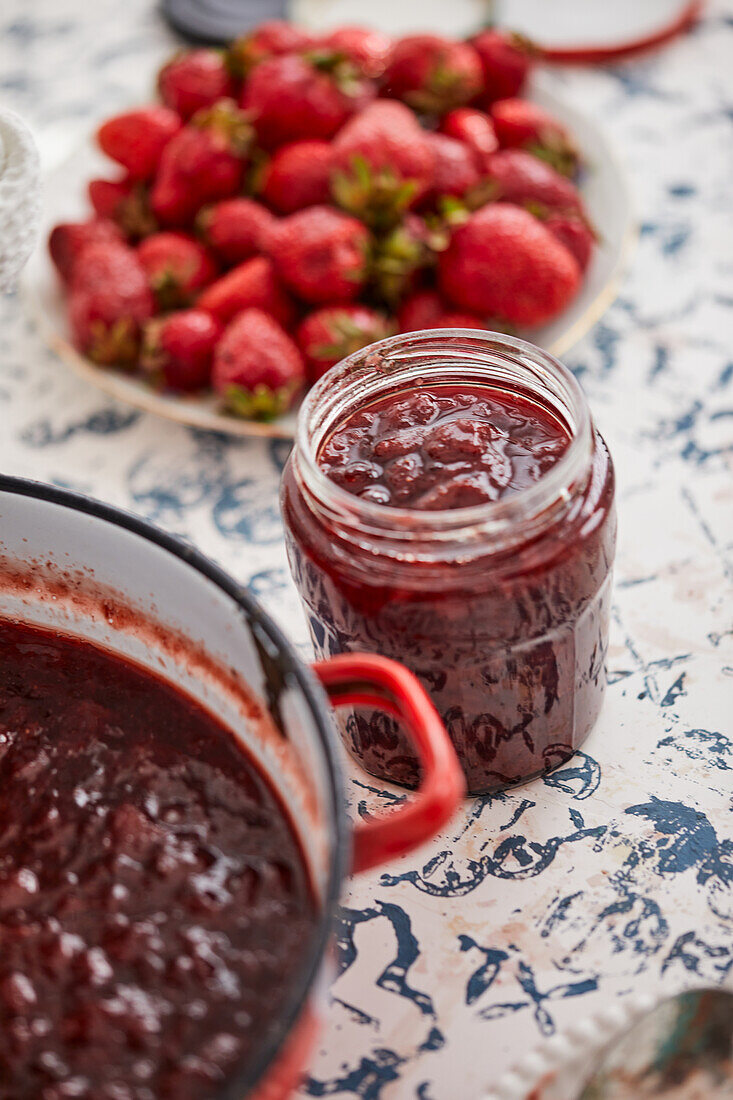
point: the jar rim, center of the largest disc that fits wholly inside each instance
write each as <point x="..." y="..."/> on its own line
<point x="394" y="352"/>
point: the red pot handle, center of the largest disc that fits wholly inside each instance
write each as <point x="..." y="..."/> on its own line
<point x="365" y="679"/>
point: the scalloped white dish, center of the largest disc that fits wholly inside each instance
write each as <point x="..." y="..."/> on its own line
<point x="604" y="188"/>
<point x="559" y="1067"/>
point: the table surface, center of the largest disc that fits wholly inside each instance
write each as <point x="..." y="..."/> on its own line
<point x="614" y="874"/>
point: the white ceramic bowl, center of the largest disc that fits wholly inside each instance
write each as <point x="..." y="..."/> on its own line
<point x="20" y="196"/>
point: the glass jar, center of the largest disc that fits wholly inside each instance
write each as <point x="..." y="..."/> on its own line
<point x="501" y="608"/>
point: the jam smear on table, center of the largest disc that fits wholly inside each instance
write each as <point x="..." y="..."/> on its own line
<point x="154" y="902"/>
<point x="436" y="449"/>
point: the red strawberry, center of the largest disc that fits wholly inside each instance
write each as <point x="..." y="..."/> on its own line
<point x="178" y="350"/>
<point x="382" y="163"/>
<point x="420" y="311"/>
<point x="125" y="202"/>
<point x="258" y="370"/>
<point x="433" y="74"/>
<point x="236" y="229"/>
<point x="321" y="254"/>
<point x="506" y="60"/>
<point x="109" y="301"/>
<point x="520" y="178"/>
<point x="474" y="129"/>
<point x="328" y="335"/>
<point x="575" y="234"/>
<point x="458" y="320"/>
<point x="252" y="285"/>
<point x="193" y="79"/>
<point x="67" y="242"/>
<point x="177" y="267"/>
<point x="520" y="124"/>
<point x="298" y="176"/>
<point x="136" y="139"/>
<point x="504" y="262"/>
<point x="107" y="196"/>
<point x="367" y="48"/>
<point x="399" y="256"/>
<point x="203" y="163"/>
<point x="455" y="170"/>
<point x="426" y="310"/>
<point x="294" y="97"/>
<point x="98" y="259"/>
<point x="270" y="39"/>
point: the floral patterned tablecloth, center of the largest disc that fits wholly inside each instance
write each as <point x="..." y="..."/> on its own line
<point x="615" y="873"/>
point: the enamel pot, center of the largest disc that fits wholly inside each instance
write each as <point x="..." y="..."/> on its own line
<point x="71" y="564"/>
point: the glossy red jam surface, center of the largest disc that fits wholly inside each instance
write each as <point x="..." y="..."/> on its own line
<point x="508" y="640"/>
<point x="154" y="902"/>
<point x="444" y="448"/>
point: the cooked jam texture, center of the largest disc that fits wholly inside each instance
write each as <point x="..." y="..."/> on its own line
<point x="154" y="902"/>
<point x="510" y="644"/>
<point x="434" y="450"/>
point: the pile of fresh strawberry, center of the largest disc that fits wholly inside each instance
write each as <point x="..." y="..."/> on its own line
<point x="294" y="198"/>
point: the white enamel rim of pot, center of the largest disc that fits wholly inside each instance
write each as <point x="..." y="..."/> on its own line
<point x="83" y="567"/>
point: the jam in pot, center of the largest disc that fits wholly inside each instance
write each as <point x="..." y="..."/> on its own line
<point x="449" y="504"/>
<point x="154" y="901"/>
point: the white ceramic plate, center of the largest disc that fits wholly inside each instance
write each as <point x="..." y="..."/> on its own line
<point x="606" y="195"/>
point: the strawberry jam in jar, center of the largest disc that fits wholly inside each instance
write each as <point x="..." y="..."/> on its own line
<point x="449" y="504"/>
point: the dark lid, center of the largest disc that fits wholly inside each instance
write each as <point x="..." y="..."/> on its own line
<point x="218" y="21"/>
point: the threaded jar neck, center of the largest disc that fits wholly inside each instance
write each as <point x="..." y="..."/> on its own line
<point x="460" y="357"/>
